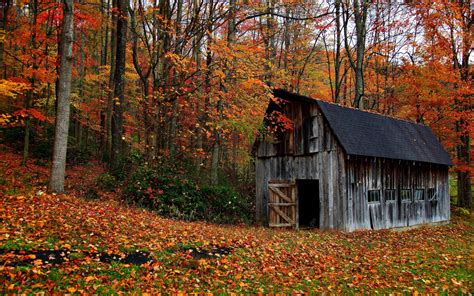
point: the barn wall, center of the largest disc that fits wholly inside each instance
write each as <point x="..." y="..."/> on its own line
<point x="364" y="174"/>
<point x="314" y="154"/>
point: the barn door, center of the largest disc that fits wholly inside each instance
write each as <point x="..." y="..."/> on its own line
<point x="282" y="204"/>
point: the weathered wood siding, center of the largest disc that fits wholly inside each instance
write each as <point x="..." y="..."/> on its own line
<point x="364" y="174"/>
<point x="316" y="156"/>
<point x="311" y="151"/>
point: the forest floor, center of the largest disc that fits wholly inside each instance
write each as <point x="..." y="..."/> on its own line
<point x="71" y="244"/>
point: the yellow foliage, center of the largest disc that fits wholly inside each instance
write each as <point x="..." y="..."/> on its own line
<point x="10" y="89"/>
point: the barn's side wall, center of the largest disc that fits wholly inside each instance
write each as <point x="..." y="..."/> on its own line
<point x="324" y="160"/>
<point x="364" y="174"/>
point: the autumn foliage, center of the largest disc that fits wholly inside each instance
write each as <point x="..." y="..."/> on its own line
<point x="183" y="85"/>
<point x="199" y="75"/>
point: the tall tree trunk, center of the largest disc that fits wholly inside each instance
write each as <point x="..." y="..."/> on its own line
<point x="361" y="31"/>
<point x="26" y="138"/>
<point x="64" y="91"/>
<point x="32" y="79"/>
<point x="105" y="34"/>
<point x="359" y="8"/>
<point x="269" y="40"/>
<point x="463" y="125"/>
<point x="111" y="90"/>
<point x="199" y="108"/>
<point x="144" y="77"/>
<point x="3" y="28"/>
<point x="119" y="84"/>
<point x="337" y="53"/>
<point x="103" y="61"/>
<point x="178" y="51"/>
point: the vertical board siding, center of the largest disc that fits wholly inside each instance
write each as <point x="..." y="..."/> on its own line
<point x="381" y="174"/>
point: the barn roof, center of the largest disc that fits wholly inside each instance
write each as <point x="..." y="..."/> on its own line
<point x="368" y="134"/>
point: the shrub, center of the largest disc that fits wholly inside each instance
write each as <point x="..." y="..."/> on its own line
<point x="226" y="205"/>
<point x="183" y="199"/>
<point x="106" y="182"/>
<point x="125" y="164"/>
<point x="78" y="155"/>
<point x="463" y="212"/>
<point x="91" y="194"/>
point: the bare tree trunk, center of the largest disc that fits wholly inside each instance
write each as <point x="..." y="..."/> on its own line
<point x="337" y="53"/>
<point x="105" y="6"/>
<point x="3" y="27"/>
<point x="64" y="91"/>
<point x="110" y="96"/>
<point x="105" y="34"/>
<point x="26" y="138"/>
<point x="119" y="83"/>
<point x="215" y="147"/>
<point x="144" y="77"/>
<point x="269" y="40"/>
<point x="32" y="79"/>
<point x="178" y="51"/>
<point x="360" y="10"/>
<point x="199" y="108"/>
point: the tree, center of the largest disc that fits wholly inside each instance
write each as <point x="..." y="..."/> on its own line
<point x="359" y="9"/>
<point x="449" y="36"/>
<point x="119" y="83"/>
<point x="63" y="96"/>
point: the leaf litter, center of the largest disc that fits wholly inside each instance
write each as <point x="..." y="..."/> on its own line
<point x="68" y="244"/>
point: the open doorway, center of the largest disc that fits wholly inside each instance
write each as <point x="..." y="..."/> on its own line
<point x="308" y="203"/>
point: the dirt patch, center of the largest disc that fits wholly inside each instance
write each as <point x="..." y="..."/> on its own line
<point x="55" y="257"/>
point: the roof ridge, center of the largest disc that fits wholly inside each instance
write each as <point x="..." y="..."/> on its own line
<point x="361" y="132"/>
<point x="371" y="111"/>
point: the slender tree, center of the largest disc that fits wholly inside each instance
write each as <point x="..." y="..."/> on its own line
<point x="63" y="104"/>
<point x="119" y="83"/>
<point x="3" y="26"/>
<point x="360" y="10"/>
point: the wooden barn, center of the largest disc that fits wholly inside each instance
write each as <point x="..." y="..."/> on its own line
<point x="343" y="168"/>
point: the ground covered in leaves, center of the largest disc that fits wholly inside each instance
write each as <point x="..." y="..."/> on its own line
<point x="68" y="243"/>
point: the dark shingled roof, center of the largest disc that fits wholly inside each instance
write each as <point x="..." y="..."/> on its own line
<point x="368" y="134"/>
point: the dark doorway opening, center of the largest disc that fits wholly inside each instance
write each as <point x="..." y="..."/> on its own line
<point x="308" y="203"/>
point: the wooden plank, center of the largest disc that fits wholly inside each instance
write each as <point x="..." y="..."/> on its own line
<point x="280" y="185"/>
<point x="280" y="225"/>
<point x="282" y="214"/>
<point x="279" y="193"/>
<point x="283" y="204"/>
<point x="296" y="208"/>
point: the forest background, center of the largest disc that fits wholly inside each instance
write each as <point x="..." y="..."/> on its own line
<point x="173" y="92"/>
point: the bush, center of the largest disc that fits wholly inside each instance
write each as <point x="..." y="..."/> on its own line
<point x="106" y="182"/>
<point x="226" y="205"/>
<point x="77" y="155"/>
<point x="125" y="164"/>
<point x="91" y="194"/>
<point x="183" y="199"/>
<point x="463" y="212"/>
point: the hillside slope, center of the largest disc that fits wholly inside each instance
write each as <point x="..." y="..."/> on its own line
<point x="65" y="243"/>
